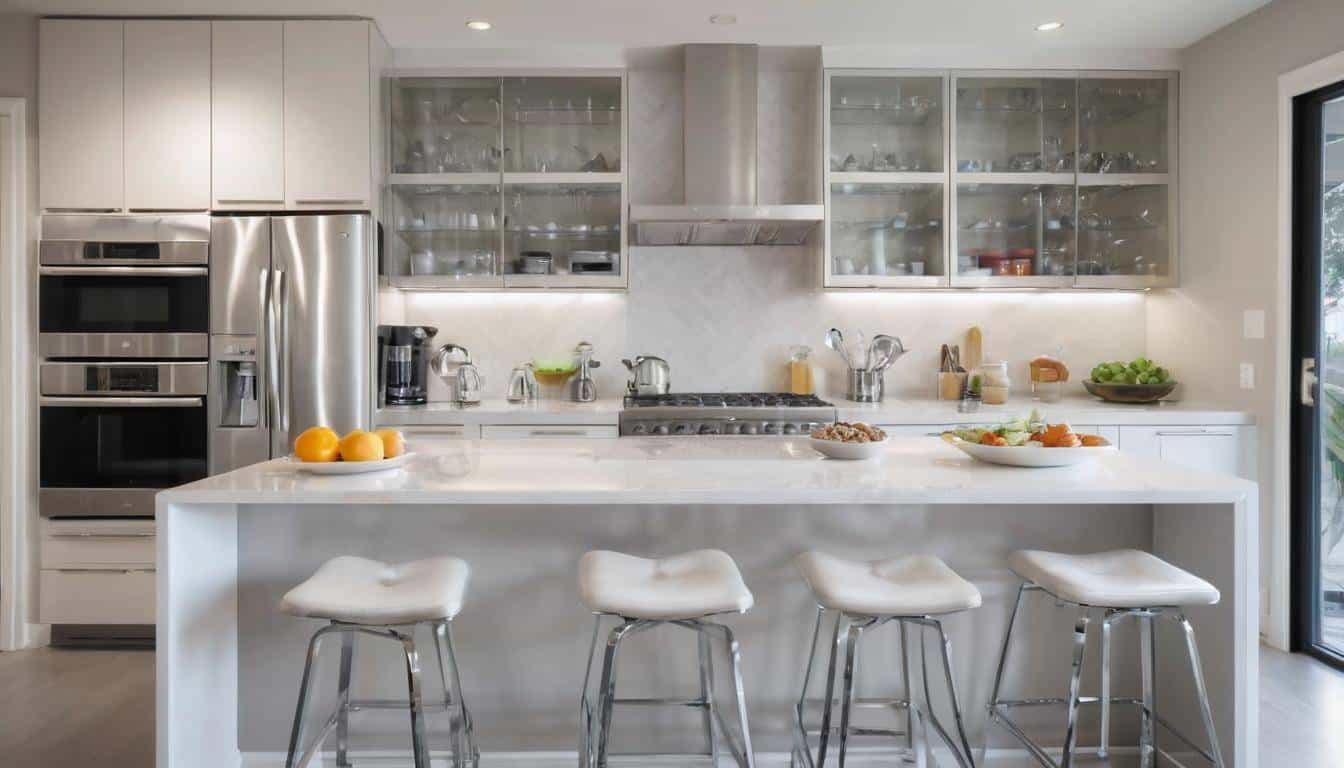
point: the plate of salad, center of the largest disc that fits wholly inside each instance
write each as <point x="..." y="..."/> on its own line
<point x="1027" y="442"/>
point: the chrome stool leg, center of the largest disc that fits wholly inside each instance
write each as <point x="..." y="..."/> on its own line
<point x="708" y="712"/>
<point x="967" y="758"/>
<point x="847" y="694"/>
<point x="295" y="759"/>
<point x="909" y="689"/>
<point x="1075" y="682"/>
<point x="586" y="722"/>
<point x="607" y="688"/>
<point x="1148" y="662"/>
<point x="419" y="744"/>
<point x="1103" y="749"/>
<point x="836" y="644"/>
<point x="343" y="713"/>
<point x="802" y="750"/>
<point x="464" y="737"/>
<point x="1197" y="672"/>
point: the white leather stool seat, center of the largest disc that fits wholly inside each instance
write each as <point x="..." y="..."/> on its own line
<point x="685" y="586"/>
<point x="1123" y="578"/>
<point x="915" y="585"/>
<point x="361" y="591"/>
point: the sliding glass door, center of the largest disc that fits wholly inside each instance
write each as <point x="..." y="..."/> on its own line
<point x="1318" y="357"/>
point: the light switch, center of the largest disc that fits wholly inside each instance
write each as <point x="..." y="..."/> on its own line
<point x="1253" y="324"/>
<point x="1248" y="375"/>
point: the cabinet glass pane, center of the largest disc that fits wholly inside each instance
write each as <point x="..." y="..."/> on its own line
<point x="1122" y="126"/>
<point x="1015" y="230"/>
<point x="892" y="230"/>
<point x="886" y="124"/>
<point x="562" y="124"/>
<point x="1015" y="125"/>
<point x="445" y="125"/>
<point x="562" y="229"/>
<point x="444" y="230"/>
<point x="1123" y="231"/>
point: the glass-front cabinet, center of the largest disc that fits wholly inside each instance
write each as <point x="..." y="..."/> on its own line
<point x="886" y="166"/>
<point x="506" y="182"/>
<point x="1045" y="179"/>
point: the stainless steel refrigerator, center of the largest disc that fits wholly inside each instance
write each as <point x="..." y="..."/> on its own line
<point x="291" y="331"/>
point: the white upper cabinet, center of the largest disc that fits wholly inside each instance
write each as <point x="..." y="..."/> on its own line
<point x="167" y="115"/>
<point x="80" y="113"/>
<point x="327" y="115"/>
<point x="248" y="115"/>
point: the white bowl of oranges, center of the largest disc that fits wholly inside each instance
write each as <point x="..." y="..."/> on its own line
<point x="323" y="452"/>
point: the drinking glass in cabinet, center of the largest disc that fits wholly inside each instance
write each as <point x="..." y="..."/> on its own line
<point x="562" y="124"/>
<point x="1122" y="230"/>
<point x="562" y="229"/>
<point x="1123" y="125"/>
<point x="445" y="230"/>
<point x="1015" y="125"/>
<point x="886" y="124"/>
<point x="445" y="125"/>
<point x="1015" y="230"/>
<point x="887" y="230"/>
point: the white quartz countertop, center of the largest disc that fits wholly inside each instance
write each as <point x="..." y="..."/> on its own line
<point x="711" y="470"/>
<point x="606" y="411"/>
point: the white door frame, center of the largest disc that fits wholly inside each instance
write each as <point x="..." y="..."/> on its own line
<point x="18" y="535"/>
<point x="1319" y="74"/>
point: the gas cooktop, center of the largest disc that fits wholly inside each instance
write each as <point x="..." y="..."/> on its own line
<point x="723" y="413"/>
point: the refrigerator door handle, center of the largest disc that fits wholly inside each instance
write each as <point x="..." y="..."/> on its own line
<point x="263" y="353"/>
<point x="277" y="377"/>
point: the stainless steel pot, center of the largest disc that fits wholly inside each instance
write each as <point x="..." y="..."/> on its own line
<point x="648" y="375"/>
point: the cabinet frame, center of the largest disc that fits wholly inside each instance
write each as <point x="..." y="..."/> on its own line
<point x="931" y="178"/>
<point x="505" y="179"/>
<point x="951" y="179"/>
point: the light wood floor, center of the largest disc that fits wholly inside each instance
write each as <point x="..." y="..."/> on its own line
<point x="81" y="708"/>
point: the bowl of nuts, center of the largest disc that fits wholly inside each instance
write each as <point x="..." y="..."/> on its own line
<point x="849" y="440"/>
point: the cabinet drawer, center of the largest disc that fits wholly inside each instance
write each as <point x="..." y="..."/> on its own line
<point x="75" y="596"/>
<point x="97" y="544"/>
<point x="514" y="431"/>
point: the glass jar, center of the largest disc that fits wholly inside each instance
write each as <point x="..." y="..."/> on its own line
<point x="994" y="383"/>
<point x="801" y="380"/>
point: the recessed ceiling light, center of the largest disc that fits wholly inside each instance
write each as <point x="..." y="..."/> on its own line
<point x="478" y="26"/>
<point x="723" y="18"/>
<point x="1049" y="26"/>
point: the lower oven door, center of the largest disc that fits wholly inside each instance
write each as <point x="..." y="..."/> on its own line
<point x="109" y="456"/>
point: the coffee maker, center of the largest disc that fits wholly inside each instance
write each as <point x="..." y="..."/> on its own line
<point x="403" y="364"/>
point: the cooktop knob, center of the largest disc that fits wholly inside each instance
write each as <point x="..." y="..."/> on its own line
<point x="709" y="429"/>
<point x="683" y="429"/>
<point x="660" y="429"/>
<point x="770" y="429"/>
<point x="750" y="429"/>
<point x="732" y="428"/>
<point x="790" y="429"/>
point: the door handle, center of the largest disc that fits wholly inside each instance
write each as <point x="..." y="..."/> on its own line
<point x="273" y="340"/>
<point x="282" y="346"/>
<point x="1307" y="382"/>
<point x="263" y="339"/>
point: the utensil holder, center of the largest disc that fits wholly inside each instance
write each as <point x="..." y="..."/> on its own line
<point x="864" y="386"/>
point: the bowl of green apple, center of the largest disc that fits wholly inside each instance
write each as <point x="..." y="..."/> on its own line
<point x="1138" y="381"/>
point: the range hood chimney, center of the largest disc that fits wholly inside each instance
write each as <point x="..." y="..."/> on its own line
<point x="719" y="147"/>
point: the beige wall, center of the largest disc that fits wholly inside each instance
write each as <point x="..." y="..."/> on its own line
<point x="1229" y="224"/>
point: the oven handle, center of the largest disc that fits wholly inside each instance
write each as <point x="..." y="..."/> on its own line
<point x="123" y="402"/>
<point x="122" y="271"/>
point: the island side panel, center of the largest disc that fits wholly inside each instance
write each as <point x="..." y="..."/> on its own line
<point x="1219" y="543"/>
<point x="523" y="634"/>
<point x="196" y="660"/>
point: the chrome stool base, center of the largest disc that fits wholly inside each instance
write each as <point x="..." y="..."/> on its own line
<point x="845" y="638"/>
<point x="999" y="708"/>
<point x="463" y="747"/>
<point x="595" y="722"/>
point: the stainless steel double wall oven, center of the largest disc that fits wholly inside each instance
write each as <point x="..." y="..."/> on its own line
<point x="123" y="332"/>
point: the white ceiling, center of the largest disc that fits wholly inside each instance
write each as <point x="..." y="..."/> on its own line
<point x="996" y="24"/>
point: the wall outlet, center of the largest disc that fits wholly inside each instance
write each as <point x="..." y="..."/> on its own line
<point x="1253" y="324"/>
<point x="1248" y="375"/>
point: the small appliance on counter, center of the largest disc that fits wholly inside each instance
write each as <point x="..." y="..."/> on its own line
<point x="523" y="386"/>
<point x="649" y="375"/>
<point x="582" y="388"/>
<point x="403" y="368"/>
<point x="452" y="363"/>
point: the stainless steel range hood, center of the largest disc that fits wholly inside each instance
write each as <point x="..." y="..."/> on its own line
<point x="719" y="146"/>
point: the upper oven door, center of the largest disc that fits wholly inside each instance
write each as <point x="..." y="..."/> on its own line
<point x="123" y="312"/>
<point x="128" y="241"/>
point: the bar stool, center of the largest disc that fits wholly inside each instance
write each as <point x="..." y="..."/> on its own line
<point x="908" y="590"/>
<point x="360" y="596"/>
<point x="681" y="591"/>
<point x="1125" y="583"/>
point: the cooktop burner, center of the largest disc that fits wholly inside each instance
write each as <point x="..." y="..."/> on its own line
<point x="726" y="400"/>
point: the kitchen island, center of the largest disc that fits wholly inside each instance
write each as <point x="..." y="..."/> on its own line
<point x="523" y="511"/>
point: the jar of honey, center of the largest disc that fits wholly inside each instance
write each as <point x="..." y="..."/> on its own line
<point x="801" y="380"/>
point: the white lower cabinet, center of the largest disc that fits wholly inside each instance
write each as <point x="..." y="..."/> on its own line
<point x="1229" y="449"/>
<point x="514" y="431"/>
<point x="97" y="572"/>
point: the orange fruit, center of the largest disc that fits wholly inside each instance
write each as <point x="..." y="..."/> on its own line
<point x="361" y="446"/>
<point x="393" y="443"/>
<point x="317" y="444"/>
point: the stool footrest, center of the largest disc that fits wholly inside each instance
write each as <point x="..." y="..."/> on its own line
<point x="998" y="713"/>
<point x="357" y="705"/>
<point x="657" y="702"/>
